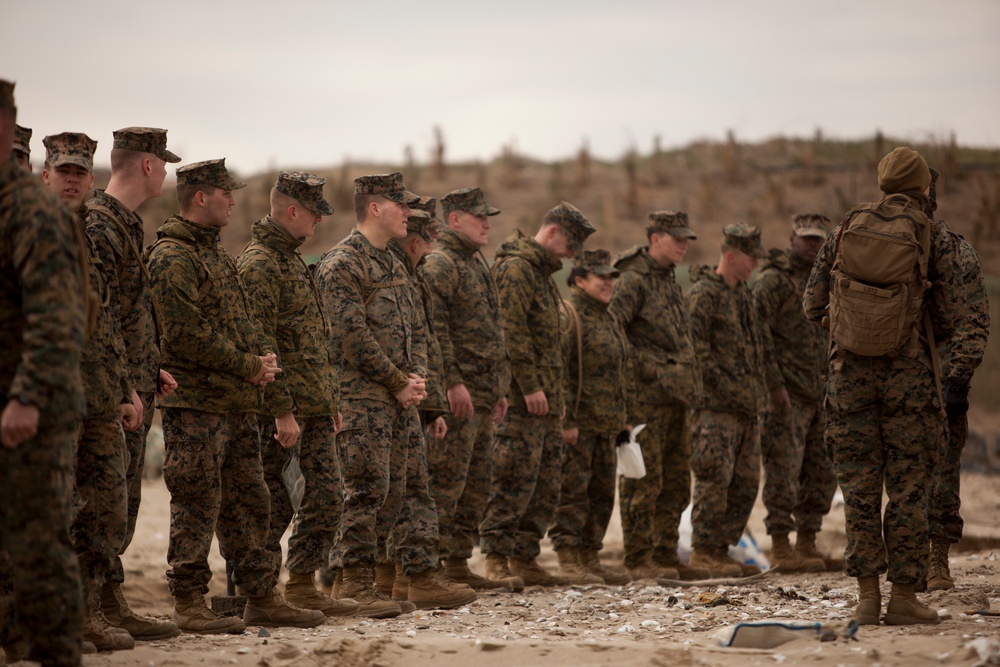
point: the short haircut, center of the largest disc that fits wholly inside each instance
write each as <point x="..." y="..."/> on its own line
<point x="576" y="272"/>
<point x="650" y="231"/>
<point x="551" y="218"/>
<point x="186" y="193"/>
<point x="361" y="203"/>
<point x="280" y="201"/>
<point x="123" y="159"/>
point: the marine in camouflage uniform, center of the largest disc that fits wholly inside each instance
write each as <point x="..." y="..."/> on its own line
<point x="41" y="264"/>
<point x="598" y="389"/>
<point x="211" y="344"/>
<point x="377" y="342"/>
<point x="884" y="418"/>
<point x="98" y="528"/>
<point x="139" y="157"/>
<point x="725" y="438"/>
<point x="799" y="481"/>
<point x="945" y="501"/>
<point x="468" y="327"/>
<point x="301" y="414"/>
<point x="527" y="454"/>
<point x="650" y="306"/>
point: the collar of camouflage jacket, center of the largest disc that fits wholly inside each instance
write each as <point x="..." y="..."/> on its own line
<point x="458" y="244"/>
<point x="181" y="228"/>
<point x="396" y="249"/>
<point x="106" y="200"/>
<point x="527" y="248"/>
<point x="269" y="232"/>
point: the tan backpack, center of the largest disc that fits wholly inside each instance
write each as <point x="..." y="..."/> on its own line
<point x="879" y="277"/>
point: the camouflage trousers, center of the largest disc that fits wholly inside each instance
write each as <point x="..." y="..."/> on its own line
<point x="527" y="469"/>
<point x="883" y="430"/>
<point x="213" y="472"/>
<point x="460" y="475"/>
<point x="799" y="479"/>
<point x="725" y="460"/>
<point x="651" y="507"/>
<point x="99" y="526"/>
<point x="39" y="573"/>
<point x="587" y="495"/>
<point x="373" y="450"/>
<point x="135" y="448"/>
<point x="318" y="516"/>
<point x="945" y="502"/>
<point x="414" y="538"/>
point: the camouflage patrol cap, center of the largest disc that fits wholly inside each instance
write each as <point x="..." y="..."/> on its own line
<point x="597" y="262"/>
<point x="70" y="148"/>
<point x="307" y="189"/>
<point x="428" y="205"/>
<point x="810" y="224"/>
<point x="209" y="172"/>
<point x="145" y="140"/>
<point x="903" y="170"/>
<point x="468" y="200"/>
<point x="22" y="139"/>
<point x="674" y="223"/>
<point x="389" y="186"/>
<point x="7" y="95"/>
<point x="422" y="223"/>
<point x="576" y="226"/>
<point x="744" y="238"/>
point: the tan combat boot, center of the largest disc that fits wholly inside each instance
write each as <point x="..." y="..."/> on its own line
<point x="325" y="580"/>
<point x="905" y="609"/>
<point x="787" y="560"/>
<point x="457" y="569"/>
<point x="805" y="546"/>
<point x="746" y="569"/>
<point x="707" y="559"/>
<point x="534" y="574"/>
<point x="359" y="585"/>
<point x="430" y="590"/>
<point x="869" y="601"/>
<point x="647" y="569"/>
<point x="96" y="628"/>
<point x="301" y="592"/>
<point x="571" y="566"/>
<point x="385" y="576"/>
<point x="938" y="574"/>
<point x="271" y="611"/>
<point x="191" y="614"/>
<point x="119" y="614"/>
<point x="498" y="569"/>
<point x="401" y="589"/>
<point x="592" y="561"/>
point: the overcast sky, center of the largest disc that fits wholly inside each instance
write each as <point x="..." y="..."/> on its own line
<point x="298" y="83"/>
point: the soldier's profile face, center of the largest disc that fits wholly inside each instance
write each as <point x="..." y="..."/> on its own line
<point x="670" y="249"/>
<point x="597" y="287"/>
<point x="157" y="172"/>
<point x="303" y="222"/>
<point x="743" y="264"/>
<point x="219" y="207"/>
<point x="392" y="216"/>
<point x="806" y="247"/>
<point x="473" y="228"/>
<point x="69" y="182"/>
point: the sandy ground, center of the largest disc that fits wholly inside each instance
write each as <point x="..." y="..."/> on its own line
<point x="638" y="624"/>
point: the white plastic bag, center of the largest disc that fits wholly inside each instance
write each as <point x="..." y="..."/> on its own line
<point x="630" y="463"/>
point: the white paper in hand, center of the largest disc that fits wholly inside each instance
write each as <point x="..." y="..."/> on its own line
<point x="630" y="463"/>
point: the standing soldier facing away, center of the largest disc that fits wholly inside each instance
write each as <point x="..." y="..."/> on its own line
<point x="799" y="480"/>
<point x="527" y="454"/>
<point x="209" y="342"/>
<point x="42" y="325"/>
<point x="139" y="157"/>
<point x="301" y="404"/>
<point x="650" y="306"/>
<point x="476" y="373"/>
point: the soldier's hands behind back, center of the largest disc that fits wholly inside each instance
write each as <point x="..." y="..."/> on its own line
<point x="268" y="371"/>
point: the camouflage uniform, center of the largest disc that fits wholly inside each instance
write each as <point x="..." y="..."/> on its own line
<point x="290" y="310"/>
<point x="798" y="474"/>
<point x="209" y="342"/>
<point x="884" y="419"/>
<point x="22" y="143"/>
<point x="945" y="521"/>
<point x="118" y="236"/>
<point x="527" y="454"/>
<point x="40" y="265"/>
<point x="469" y="330"/>
<point x="587" y="495"/>
<point x="650" y="306"/>
<point x="725" y="437"/>
<point x="377" y="338"/>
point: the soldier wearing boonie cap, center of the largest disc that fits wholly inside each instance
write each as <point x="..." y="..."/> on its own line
<point x="300" y="407"/>
<point x="651" y="307"/>
<point x="523" y="499"/>
<point x="22" y="145"/>
<point x="725" y="440"/>
<point x="138" y="168"/>
<point x="475" y="375"/>
<point x="799" y="481"/>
